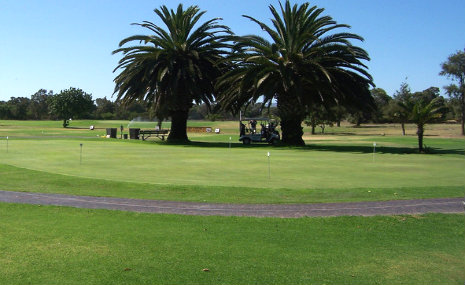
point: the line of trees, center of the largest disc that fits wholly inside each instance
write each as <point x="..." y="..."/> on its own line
<point x="37" y="107"/>
<point x="45" y="105"/>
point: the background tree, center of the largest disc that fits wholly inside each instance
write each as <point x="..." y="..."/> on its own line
<point x="38" y="107"/>
<point x="320" y="116"/>
<point x="432" y="94"/>
<point x="175" y="67"/>
<point x="423" y="113"/>
<point x="427" y="95"/>
<point x="306" y="64"/>
<point x="382" y="100"/>
<point x="340" y="113"/>
<point x="105" y="109"/>
<point x="4" y="111"/>
<point x="401" y="107"/>
<point x="18" y="108"/>
<point x="357" y="117"/>
<point x="70" y="103"/>
<point x="454" y="68"/>
<point x="418" y="107"/>
<point x="454" y="103"/>
<point x="198" y="112"/>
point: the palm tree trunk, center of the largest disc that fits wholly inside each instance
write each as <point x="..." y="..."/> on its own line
<point x="403" y="128"/>
<point x="178" y="132"/>
<point x="292" y="131"/>
<point x="420" y="131"/>
<point x="291" y="115"/>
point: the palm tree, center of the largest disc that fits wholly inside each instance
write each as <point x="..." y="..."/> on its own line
<point x="422" y="114"/>
<point x="304" y="65"/>
<point x="173" y="68"/>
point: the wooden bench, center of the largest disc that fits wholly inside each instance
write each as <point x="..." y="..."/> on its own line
<point x="158" y="133"/>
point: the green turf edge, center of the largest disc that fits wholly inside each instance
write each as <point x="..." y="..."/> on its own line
<point x="26" y="180"/>
<point x="61" y="245"/>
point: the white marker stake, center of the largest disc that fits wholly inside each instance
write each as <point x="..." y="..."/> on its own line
<point x="269" y="166"/>
<point x="374" y="150"/>
<point x="229" y="142"/>
<point x="80" y="158"/>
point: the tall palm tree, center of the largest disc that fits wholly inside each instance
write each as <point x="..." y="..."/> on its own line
<point x="174" y="67"/>
<point x="422" y="114"/>
<point x="304" y="64"/>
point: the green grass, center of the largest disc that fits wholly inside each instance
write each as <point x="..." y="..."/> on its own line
<point x="20" y="179"/>
<point x="330" y="168"/>
<point x="58" y="245"/>
<point x="80" y="128"/>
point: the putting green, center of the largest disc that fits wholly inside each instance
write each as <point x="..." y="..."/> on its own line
<point x="325" y="166"/>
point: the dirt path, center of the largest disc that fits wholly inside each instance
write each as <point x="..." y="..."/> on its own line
<point x="446" y="205"/>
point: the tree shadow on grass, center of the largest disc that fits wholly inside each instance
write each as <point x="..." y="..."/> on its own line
<point x="217" y="144"/>
<point x="79" y="128"/>
<point x="380" y="149"/>
<point x="371" y="134"/>
<point x="370" y="127"/>
<point x="324" y="147"/>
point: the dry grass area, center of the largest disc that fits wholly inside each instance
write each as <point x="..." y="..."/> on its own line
<point x="347" y="129"/>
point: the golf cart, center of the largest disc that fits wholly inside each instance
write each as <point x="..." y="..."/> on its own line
<point x="258" y="130"/>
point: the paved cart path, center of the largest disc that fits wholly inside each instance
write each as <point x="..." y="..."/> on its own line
<point x="396" y="207"/>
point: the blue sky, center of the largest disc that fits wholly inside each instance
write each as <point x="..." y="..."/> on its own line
<point x="55" y="45"/>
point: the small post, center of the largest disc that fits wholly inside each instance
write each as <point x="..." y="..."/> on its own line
<point x="121" y="128"/>
<point x="229" y="142"/>
<point x="80" y="157"/>
<point x="374" y="150"/>
<point x="6" y="144"/>
<point x="269" y="166"/>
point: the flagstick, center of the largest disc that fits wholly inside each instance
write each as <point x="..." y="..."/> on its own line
<point x="80" y="157"/>
<point x="374" y="150"/>
<point x="269" y="166"/>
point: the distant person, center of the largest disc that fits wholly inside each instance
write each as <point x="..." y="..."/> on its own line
<point x="264" y="131"/>
<point x="253" y="125"/>
<point x="242" y="130"/>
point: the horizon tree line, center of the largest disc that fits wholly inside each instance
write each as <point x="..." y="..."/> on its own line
<point x="388" y="109"/>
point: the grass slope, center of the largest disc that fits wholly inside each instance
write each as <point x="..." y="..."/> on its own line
<point x="337" y="166"/>
<point x="25" y="180"/>
<point x="334" y="170"/>
<point x="58" y="245"/>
